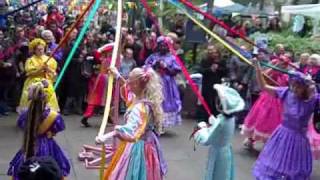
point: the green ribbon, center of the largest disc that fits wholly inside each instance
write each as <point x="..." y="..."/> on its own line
<point x="78" y="41"/>
<point x="275" y="67"/>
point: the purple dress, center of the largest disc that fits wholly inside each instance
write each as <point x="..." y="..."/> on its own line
<point x="287" y="154"/>
<point x="45" y="144"/>
<point x="58" y="55"/>
<point x="172" y="102"/>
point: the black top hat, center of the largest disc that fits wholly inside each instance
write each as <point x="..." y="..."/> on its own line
<point x="40" y="168"/>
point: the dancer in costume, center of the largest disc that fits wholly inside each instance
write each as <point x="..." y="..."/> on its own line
<point x="138" y="156"/>
<point x="287" y="153"/>
<point x="219" y="135"/>
<point x="265" y="115"/>
<point x="165" y="64"/>
<point x="40" y="123"/>
<point x="39" y="67"/>
<point x="98" y="83"/>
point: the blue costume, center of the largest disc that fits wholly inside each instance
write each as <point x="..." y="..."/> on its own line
<point x="219" y="135"/>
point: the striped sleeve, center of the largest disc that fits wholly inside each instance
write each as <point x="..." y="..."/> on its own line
<point x="127" y="95"/>
<point x="135" y="125"/>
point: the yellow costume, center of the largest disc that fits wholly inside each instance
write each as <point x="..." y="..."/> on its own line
<point x="33" y="64"/>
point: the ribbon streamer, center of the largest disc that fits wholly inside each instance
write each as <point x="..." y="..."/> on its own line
<point x="115" y="56"/>
<point x="215" y="36"/>
<point x="222" y="24"/>
<point x="184" y="70"/>
<point x="214" y="20"/>
<point x="78" y="41"/>
<point x="21" y="8"/>
<point x="74" y="25"/>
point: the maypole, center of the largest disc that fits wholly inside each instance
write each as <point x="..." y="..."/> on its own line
<point x="215" y="36"/>
<point x="115" y="56"/>
<point x="78" y="40"/>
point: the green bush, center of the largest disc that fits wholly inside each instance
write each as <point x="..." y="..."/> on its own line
<point x="294" y="43"/>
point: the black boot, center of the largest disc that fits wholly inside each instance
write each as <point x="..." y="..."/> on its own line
<point x="84" y="122"/>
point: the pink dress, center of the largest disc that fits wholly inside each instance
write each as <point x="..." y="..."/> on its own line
<point x="314" y="139"/>
<point x="265" y="115"/>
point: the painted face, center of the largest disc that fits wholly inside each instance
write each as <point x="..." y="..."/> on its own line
<point x="39" y="50"/>
<point x="163" y="48"/>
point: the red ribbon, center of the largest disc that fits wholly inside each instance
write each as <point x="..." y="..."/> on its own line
<point x="184" y="70"/>
<point x="216" y="21"/>
<point x="222" y="24"/>
<point x="74" y="25"/>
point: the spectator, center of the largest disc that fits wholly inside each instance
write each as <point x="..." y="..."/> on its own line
<point x="213" y="69"/>
<point x="47" y="35"/>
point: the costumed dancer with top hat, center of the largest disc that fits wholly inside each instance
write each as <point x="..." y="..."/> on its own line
<point x="98" y="83"/>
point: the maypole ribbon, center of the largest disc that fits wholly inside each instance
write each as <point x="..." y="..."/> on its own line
<point x="74" y="25"/>
<point x="214" y="20"/>
<point x="215" y="36"/>
<point x="115" y="56"/>
<point x="221" y="24"/>
<point x="145" y="4"/>
<point x="184" y="70"/>
<point x="78" y="41"/>
<point x="4" y="16"/>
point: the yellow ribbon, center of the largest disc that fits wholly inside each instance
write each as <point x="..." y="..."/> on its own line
<point x="115" y="55"/>
<point x="215" y="36"/>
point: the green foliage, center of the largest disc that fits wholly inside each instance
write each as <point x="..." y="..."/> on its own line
<point x="294" y="43"/>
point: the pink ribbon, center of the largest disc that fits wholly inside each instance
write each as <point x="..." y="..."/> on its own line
<point x="184" y="70"/>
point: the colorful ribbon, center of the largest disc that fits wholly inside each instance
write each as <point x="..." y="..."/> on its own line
<point x="192" y="84"/>
<point x="78" y="41"/>
<point x="21" y="8"/>
<point x="214" y="20"/>
<point x="74" y="25"/>
<point x="221" y="24"/>
<point x="215" y="36"/>
<point x="115" y="56"/>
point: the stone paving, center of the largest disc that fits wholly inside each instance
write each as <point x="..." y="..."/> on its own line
<point x="184" y="163"/>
